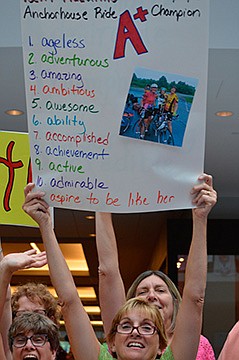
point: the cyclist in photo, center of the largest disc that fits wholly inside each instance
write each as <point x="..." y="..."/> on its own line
<point x="146" y="89"/>
<point x="148" y="103"/>
<point x="160" y="104"/>
<point x="150" y="95"/>
<point x="171" y="105"/>
<point x="161" y="98"/>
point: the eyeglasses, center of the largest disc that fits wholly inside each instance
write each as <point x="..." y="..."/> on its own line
<point x="38" y="311"/>
<point x="37" y="340"/>
<point x="127" y="328"/>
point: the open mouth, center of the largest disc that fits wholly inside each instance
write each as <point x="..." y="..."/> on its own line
<point x="135" y="345"/>
<point x="30" y="357"/>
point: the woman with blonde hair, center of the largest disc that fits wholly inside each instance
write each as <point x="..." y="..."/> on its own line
<point x="136" y="335"/>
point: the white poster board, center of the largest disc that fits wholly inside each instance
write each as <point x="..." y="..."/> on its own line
<point x="86" y="66"/>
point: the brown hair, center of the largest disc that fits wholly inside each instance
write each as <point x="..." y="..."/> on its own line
<point x="38" y="324"/>
<point x="153" y="313"/>
<point x="36" y="292"/>
<point x="176" y="297"/>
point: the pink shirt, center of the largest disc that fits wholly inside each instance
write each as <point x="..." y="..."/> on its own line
<point x="205" y="350"/>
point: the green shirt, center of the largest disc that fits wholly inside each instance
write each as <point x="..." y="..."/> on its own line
<point x="105" y="355"/>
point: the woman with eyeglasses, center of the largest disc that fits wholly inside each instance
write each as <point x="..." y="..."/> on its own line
<point x="31" y="296"/>
<point x="33" y="336"/>
<point x="9" y="264"/>
<point x="155" y="286"/>
<point x="182" y="316"/>
<point x="127" y="337"/>
<point x="137" y="332"/>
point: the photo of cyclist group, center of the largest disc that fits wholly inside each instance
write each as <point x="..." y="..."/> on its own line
<point x="157" y="109"/>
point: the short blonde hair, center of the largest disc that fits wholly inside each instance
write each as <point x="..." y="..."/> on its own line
<point x="152" y="312"/>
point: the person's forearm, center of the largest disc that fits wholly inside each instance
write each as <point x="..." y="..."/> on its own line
<point x="106" y="243"/>
<point x="196" y="270"/>
<point x="109" y="273"/>
<point x="5" y="323"/>
<point x="2" y="352"/>
<point x="5" y="279"/>
<point x="1" y="251"/>
<point x="59" y="271"/>
<point x="5" y="305"/>
<point x="189" y="318"/>
<point x="81" y="334"/>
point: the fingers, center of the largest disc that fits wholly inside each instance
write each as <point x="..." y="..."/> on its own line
<point x="207" y="178"/>
<point x="206" y="197"/>
<point x="35" y="204"/>
<point x="36" y="264"/>
<point x="40" y="255"/>
<point x="36" y="260"/>
<point x="204" y="192"/>
<point x="205" y="184"/>
<point x="33" y="253"/>
<point x="34" y="200"/>
<point x="34" y="195"/>
<point x="30" y="252"/>
<point x="28" y="188"/>
<point x="30" y="195"/>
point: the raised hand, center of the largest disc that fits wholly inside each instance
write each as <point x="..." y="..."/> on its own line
<point x="25" y="260"/>
<point x="35" y="206"/>
<point x="205" y="197"/>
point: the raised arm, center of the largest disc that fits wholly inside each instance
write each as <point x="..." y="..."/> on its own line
<point x="189" y="320"/>
<point x="5" y="315"/>
<point x="230" y="347"/>
<point x="5" y="322"/>
<point x="8" y="265"/>
<point x="2" y="351"/>
<point x="84" y="343"/>
<point x="111" y="287"/>
<point x="14" y="262"/>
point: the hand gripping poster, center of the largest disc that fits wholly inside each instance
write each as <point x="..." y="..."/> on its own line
<point x="116" y="101"/>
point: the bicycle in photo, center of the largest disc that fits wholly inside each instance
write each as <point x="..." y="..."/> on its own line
<point x="161" y="129"/>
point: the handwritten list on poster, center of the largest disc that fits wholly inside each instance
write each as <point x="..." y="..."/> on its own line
<point x="81" y="62"/>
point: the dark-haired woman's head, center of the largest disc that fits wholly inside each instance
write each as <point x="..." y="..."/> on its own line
<point x="157" y="288"/>
<point x="33" y="334"/>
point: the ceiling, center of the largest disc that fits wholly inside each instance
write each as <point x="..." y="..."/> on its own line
<point x="221" y="149"/>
